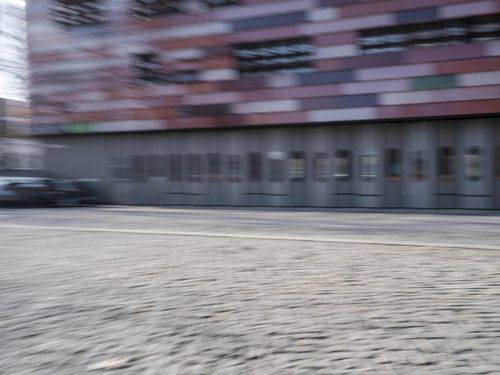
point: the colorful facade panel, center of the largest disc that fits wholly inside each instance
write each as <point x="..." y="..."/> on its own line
<point x="88" y="79"/>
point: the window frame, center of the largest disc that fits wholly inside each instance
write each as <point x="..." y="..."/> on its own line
<point x="61" y="8"/>
<point x="234" y="168"/>
<point x="419" y="162"/>
<point x="254" y="164"/>
<point x="469" y="153"/>
<point x="269" y="57"/>
<point x="393" y="163"/>
<point x="175" y="170"/>
<point x="297" y="166"/>
<point x="223" y="3"/>
<point x="138" y="7"/>
<point x="446" y="162"/>
<point x="368" y="171"/>
<point x="214" y="170"/>
<point x="194" y="167"/>
<point x="321" y="173"/>
<point x="342" y="171"/>
<point x="276" y="166"/>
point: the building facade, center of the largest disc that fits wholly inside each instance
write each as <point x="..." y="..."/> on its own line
<point x="334" y="103"/>
<point x="18" y="154"/>
<point x="13" y="69"/>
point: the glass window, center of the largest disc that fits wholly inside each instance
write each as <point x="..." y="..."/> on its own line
<point x="175" y="167"/>
<point x="393" y="163"/>
<point x="137" y="168"/>
<point x="219" y="3"/>
<point x="254" y="166"/>
<point x="342" y="164"/>
<point x="297" y="166"/>
<point x="73" y="13"/>
<point x="234" y="168"/>
<point x="214" y="167"/>
<point x="153" y="166"/>
<point x="194" y="168"/>
<point x="320" y="166"/>
<point x="368" y="166"/>
<point x="278" y="56"/>
<point x="418" y="165"/>
<point x="152" y="8"/>
<point x="276" y="166"/>
<point x="485" y="28"/>
<point x="120" y="167"/>
<point x="473" y="163"/>
<point x="446" y="162"/>
<point x="147" y="67"/>
<point x="429" y="34"/>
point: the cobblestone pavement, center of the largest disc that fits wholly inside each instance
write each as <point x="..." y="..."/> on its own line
<point x="74" y="302"/>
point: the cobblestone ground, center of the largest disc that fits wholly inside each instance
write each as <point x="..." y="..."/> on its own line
<point x="108" y="303"/>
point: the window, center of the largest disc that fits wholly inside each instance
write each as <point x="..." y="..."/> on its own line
<point x="418" y="165"/>
<point x="120" y="166"/>
<point x="175" y="167"/>
<point x="368" y="166"/>
<point x="320" y="166"/>
<point x="181" y="77"/>
<point x="152" y="8"/>
<point x="342" y="164"/>
<point x="234" y="168"/>
<point x="254" y="166"/>
<point x="485" y="28"/>
<point x="446" y="162"/>
<point x="153" y="166"/>
<point x="137" y="167"/>
<point x="219" y="3"/>
<point x="276" y="166"/>
<point x="297" y="166"/>
<point x="473" y="163"/>
<point x="280" y="56"/>
<point x="214" y="167"/>
<point x="393" y="163"/>
<point x="194" y="168"/>
<point x="429" y="34"/>
<point x="72" y="13"/>
<point x="147" y="68"/>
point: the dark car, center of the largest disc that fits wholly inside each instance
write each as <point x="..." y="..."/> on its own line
<point x="25" y="191"/>
<point x="70" y="193"/>
<point x="37" y="191"/>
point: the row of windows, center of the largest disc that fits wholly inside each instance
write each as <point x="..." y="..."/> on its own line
<point x="278" y="56"/>
<point x="90" y="12"/>
<point x="437" y="33"/>
<point x="295" y="54"/>
<point x="215" y="167"/>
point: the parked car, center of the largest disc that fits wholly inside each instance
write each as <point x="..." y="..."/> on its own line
<point x="35" y="191"/>
<point x="24" y="191"/>
<point x="70" y="193"/>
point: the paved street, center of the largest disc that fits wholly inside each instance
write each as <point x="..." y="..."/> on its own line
<point x="117" y="290"/>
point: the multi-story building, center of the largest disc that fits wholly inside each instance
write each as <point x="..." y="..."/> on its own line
<point x="390" y="103"/>
<point x="18" y="154"/>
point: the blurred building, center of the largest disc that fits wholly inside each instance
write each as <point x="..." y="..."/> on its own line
<point x="338" y="103"/>
<point x="18" y="153"/>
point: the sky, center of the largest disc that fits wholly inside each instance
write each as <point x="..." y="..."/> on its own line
<point x="17" y="2"/>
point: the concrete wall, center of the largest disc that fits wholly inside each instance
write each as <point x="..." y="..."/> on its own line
<point x="152" y="182"/>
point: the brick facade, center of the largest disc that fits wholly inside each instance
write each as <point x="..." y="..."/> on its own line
<point x="83" y="78"/>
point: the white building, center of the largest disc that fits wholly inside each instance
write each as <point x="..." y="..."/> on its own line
<point x="12" y="50"/>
